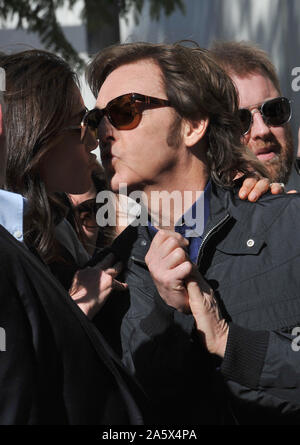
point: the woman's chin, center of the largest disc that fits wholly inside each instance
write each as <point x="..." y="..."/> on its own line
<point x="79" y="189"/>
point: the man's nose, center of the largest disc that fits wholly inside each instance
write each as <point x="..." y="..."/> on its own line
<point x="259" y="128"/>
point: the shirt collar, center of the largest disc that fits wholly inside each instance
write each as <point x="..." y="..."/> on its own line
<point x="192" y="223"/>
<point x="195" y="218"/>
<point x="12" y="208"/>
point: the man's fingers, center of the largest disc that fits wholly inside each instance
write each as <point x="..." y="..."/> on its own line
<point x="277" y="188"/>
<point x="212" y="328"/>
<point x="115" y="270"/>
<point x="197" y="300"/>
<point x="118" y="285"/>
<point x="166" y="236"/>
<point x="246" y="188"/>
<point x="171" y="244"/>
<point x="196" y="277"/>
<point x="292" y="191"/>
<point x="163" y="244"/>
<point x="175" y="258"/>
<point x="261" y="187"/>
<point x="195" y="294"/>
<point x="182" y="271"/>
<point x="254" y="189"/>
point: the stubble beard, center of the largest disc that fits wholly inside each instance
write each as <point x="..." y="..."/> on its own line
<point x="280" y="167"/>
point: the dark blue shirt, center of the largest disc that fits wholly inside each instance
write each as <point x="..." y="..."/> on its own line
<point x="191" y="225"/>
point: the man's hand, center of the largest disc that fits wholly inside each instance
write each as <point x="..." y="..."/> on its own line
<point x="91" y="286"/>
<point x="254" y="188"/>
<point x="181" y="286"/>
<point x="212" y="329"/>
<point x="169" y="265"/>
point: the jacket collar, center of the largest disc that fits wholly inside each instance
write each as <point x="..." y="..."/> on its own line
<point x="248" y="222"/>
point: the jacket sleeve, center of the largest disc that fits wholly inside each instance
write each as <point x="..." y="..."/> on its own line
<point x="17" y="358"/>
<point x="263" y="369"/>
<point x="162" y="350"/>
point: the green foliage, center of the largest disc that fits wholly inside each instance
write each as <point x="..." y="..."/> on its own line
<point x="40" y="16"/>
<point x="156" y="7"/>
<point x="99" y="12"/>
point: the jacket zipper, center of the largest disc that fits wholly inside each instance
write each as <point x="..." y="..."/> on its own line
<point x="208" y="235"/>
<point x="213" y="229"/>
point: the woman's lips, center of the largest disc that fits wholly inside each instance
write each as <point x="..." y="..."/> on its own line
<point x="107" y="157"/>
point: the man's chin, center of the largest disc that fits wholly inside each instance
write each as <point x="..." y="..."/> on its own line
<point x="118" y="186"/>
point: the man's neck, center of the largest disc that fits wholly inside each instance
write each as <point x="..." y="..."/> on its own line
<point x="168" y="201"/>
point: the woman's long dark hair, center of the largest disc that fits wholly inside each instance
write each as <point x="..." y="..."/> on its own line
<point x="39" y="98"/>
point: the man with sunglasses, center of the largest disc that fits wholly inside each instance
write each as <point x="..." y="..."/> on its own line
<point x="264" y="113"/>
<point x="166" y="122"/>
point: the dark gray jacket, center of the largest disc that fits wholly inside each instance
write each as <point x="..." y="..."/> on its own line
<point x="55" y="367"/>
<point x="251" y="257"/>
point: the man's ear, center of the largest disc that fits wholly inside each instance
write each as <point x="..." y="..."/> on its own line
<point x="194" y="131"/>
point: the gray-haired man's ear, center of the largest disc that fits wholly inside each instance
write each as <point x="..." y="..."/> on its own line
<point x="193" y="132"/>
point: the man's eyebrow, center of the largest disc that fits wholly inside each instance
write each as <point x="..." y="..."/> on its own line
<point x="258" y="104"/>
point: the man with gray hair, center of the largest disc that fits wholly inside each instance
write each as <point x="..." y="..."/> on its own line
<point x="166" y="119"/>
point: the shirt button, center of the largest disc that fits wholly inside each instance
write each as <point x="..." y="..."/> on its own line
<point x="143" y="242"/>
<point x="18" y="234"/>
<point x="250" y="243"/>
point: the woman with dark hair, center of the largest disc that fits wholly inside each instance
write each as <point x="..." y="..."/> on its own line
<point x="46" y="156"/>
<point x="54" y="368"/>
<point x="83" y="214"/>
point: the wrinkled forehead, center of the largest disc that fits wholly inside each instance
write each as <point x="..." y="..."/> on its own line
<point x="144" y="77"/>
<point x="254" y="89"/>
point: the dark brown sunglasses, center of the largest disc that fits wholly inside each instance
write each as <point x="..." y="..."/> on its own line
<point x="123" y="112"/>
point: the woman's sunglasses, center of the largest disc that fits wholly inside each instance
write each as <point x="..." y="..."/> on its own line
<point x="275" y="112"/>
<point x="123" y="112"/>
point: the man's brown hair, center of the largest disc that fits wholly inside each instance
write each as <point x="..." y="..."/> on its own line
<point x="197" y="89"/>
<point x="244" y="58"/>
